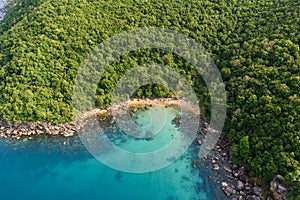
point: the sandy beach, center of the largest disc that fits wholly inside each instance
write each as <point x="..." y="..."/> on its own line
<point x="144" y="102"/>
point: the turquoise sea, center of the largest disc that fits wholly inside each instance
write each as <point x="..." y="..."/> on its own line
<point x="48" y="168"/>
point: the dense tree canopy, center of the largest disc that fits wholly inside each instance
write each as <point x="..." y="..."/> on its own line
<point x="255" y="44"/>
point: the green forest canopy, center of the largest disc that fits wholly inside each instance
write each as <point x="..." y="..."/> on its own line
<point x="255" y="44"/>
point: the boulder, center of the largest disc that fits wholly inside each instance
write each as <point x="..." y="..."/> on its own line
<point x="236" y="174"/>
<point x="235" y="167"/>
<point x="277" y="188"/>
<point x="228" y="169"/>
<point x="228" y="190"/>
<point x="239" y="185"/>
<point x="241" y="198"/>
<point x="224" y="184"/>
<point x="253" y="197"/>
<point x="216" y="167"/>
<point x="279" y="179"/>
<point x="257" y="191"/>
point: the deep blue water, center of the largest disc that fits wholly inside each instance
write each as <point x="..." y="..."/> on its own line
<point x="61" y="168"/>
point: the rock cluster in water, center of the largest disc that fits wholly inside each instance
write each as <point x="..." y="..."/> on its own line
<point x="237" y="185"/>
<point x="30" y="129"/>
<point x="69" y="129"/>
<point x="231" y="177"/>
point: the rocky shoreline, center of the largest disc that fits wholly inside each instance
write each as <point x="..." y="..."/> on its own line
<point x="31" y="129"/>
<point x="232" y="178"/>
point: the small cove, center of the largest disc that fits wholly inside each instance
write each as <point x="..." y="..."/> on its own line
<point x="61" y="168"/>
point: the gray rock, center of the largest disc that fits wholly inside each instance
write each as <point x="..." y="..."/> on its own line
<point x="228" y="169"/>
<point x="234" y="167"/>
<point x="216" y="167"/>
<point x="279" y="179"/>
<point x="228" y="190"/>
<point x="253" y="197"/>
<point x="281" y="189"/>
<point x="273" y="186"/>
<point x="277" y="188"/>
<point x="239" y="185"/>
<point x="236" y="174"/>
<point x="241" y="198"/>
<point x="224" y="184"/>
<point x="257" y="191"/>
<point x="247" y="188"/>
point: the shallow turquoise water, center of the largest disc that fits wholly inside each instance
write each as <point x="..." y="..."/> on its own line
<point x="46" y="168"/>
